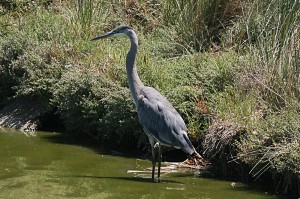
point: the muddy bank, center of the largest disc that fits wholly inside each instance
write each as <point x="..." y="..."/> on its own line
<point x="23" y="114"/>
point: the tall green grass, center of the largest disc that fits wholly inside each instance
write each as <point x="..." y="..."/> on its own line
<point x="84" y="12"/>
<point x="199" y="23"/>
<point x="82" y="18"/>
<point x="274" y="28"/>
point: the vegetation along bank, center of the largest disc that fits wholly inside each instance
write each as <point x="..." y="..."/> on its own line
<point x="231" y="68"/>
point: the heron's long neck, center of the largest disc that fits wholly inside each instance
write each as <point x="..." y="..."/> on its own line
<point x="134" y="81"/>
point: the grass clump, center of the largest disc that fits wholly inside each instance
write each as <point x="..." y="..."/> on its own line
<point x="273" y="147"/>
<point x="89" y="102"/>
<point x="200" y="23"/>
<point x="31" y="62"/>
<point x="11" y="76"/>
<point x="277" y="48"/>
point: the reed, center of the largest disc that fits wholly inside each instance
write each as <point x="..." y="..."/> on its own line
<point x="274" y="28"/>
<point x="199" y="23"/>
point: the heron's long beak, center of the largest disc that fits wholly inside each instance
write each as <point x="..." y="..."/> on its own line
<point x="108" y="34"/>
<point x="105" y="35"/>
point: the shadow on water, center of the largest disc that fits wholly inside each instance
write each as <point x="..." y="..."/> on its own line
<point x="83" y="141"/>
<point x="132" y="179"/>
<point x="106" y="149"/>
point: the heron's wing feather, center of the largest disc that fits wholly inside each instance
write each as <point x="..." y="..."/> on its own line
<point x="160" y="119"/>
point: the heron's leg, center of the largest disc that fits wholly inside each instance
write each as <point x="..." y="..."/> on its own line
<point x="159" y="161"/>
<point x="152" y="142"/>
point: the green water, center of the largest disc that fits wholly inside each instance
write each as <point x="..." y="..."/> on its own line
<point x="50" y="165"/>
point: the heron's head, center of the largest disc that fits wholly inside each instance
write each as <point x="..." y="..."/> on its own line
<point x="117" y="31"/>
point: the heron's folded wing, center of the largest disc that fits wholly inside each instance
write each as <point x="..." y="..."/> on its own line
<point x="159" y="117"/>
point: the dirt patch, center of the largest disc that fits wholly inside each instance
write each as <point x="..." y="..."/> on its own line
<point x="23" y="114"/>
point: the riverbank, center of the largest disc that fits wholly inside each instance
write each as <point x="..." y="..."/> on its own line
<point x="232" y="78"/>
<point x="23" y="114"/>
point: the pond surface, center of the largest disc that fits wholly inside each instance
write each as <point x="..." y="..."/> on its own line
<point x="50" y="165"/>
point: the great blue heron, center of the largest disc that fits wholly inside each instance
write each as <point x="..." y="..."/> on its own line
<point x="159" y="119"/>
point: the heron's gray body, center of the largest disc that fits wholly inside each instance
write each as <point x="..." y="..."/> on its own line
<point x="159" y="119"/>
